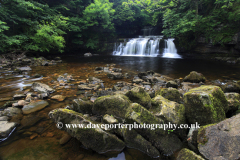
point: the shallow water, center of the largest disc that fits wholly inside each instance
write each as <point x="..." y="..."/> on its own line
<point x="46" y="145"/>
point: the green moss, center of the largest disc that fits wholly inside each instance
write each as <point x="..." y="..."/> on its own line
<point x="113" y="105"/>
<point x="186" y="154"/>
<point x="138" y="95"/>
<point x="205" y="104"/>
<point x="201" y="137"/>
<point x="171" y="94"/>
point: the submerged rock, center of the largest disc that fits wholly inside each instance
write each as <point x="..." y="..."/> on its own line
<point x="139" y="95"/>
<point x="186" y="154"/>
<point x="11" y="111"/>
<point x="92" y="138"/>
<point x="205" y="105"/>
<point x="116" y="105"/>
<point x="34" y="106"/>
<point x="115" y="75"/>
<point x="221" y="140"/>
<point x="41" y="87"/>
<point x="194" y="77"/>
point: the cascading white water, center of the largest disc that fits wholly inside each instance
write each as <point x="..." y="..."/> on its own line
<point x="142" y="46"/>
<point x="146" y="46"/>
<point x="170" y="50"/>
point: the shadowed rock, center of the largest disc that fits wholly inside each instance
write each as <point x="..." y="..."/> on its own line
<point x="92" y="138"/>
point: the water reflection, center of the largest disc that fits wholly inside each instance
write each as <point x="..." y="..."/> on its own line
<point x="121" y="156"/>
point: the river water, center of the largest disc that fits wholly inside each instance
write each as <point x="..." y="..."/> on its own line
<point x="46" y="145"/>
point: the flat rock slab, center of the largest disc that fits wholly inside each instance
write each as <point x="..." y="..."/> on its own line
<point x="6" y="127"/>
<point x="220" y="141"/>
<point x="41" y="87"/>
<point x="34" y="106"/>
<point x="24" y="68"/>
<point x="58" y="97"/>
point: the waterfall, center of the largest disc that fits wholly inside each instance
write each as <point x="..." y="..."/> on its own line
<point x="146" y="46"/>
<point x="170" y="50"/>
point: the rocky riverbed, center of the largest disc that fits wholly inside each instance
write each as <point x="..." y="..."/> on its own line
<point x="37" y="93"/>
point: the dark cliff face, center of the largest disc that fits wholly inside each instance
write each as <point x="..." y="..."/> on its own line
<point x="204" y="47"/>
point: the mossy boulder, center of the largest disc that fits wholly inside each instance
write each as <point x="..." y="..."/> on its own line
<point x="166" y="143"/>
<point x="221" y="140"/>
<point x="205" y="105"/>
<point x="93" y="138"/>
<point x="233" y="101"/>
<point x="171" y="94"/>
<point x="134" y="140"/>
<point x="231" y="87"/>
<point x="82" y="106"/>
<point x="116" y="105"/>
<point x="186" y="154"/>
<point x="140" y="96"/>
<point x="168" y="110"/>
<point x="194" y="77"/>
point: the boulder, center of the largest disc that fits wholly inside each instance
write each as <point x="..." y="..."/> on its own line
<point x="231" y="87"/>
<point x="142" y="74"/>
<point x="41" y="87"/>
<point x="58" y="97"/>
<point x="159" y="80"/>
<point x="116" y="105"/>
<point x="34" y="106"/>
<point x="11" y="111"/>
<point x="92" y="138"/>
<point x="221" y="140"/>
<point x="168" y="110"/>
<point x="6" y="128"/>
<point x="138" y="80"/>
<point x="115" y="75"/>
<point x="82" y="106"/>
<point x="186" y="154"/>
<point x="194" y="77"/>
<point x="205" y="105"/>
<point x="233" y="101"/>
<point x="136" y="141"/>
<point x="139" y="95"/>
<point x="165" y="143"/>
<point x="171" y="94"/>
<point x="172" y="84"/>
